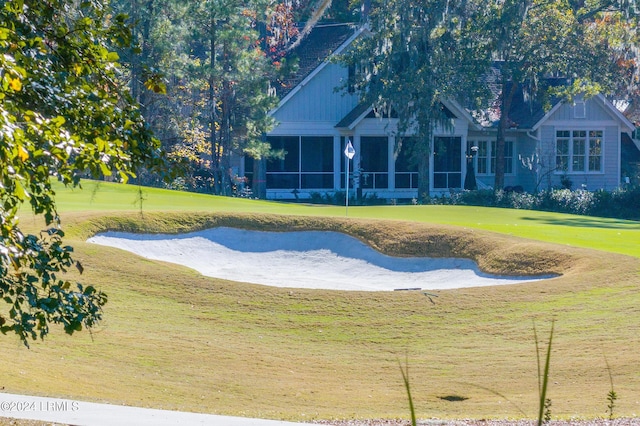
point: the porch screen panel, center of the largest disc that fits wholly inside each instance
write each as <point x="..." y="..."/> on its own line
<point x="447" y="162"/>
<point x="248" y="170"/>
<point x="374" y="162"/>
<point x="406" y="170"/>
<point x="284" y="173"/>
<point x="317" y="162"/>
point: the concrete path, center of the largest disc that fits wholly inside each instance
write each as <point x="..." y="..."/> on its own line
<point x="80" y="413"/>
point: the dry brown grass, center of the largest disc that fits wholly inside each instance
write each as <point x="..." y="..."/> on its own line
<point x="6" y="421"/>
<point x="176" y="340"/>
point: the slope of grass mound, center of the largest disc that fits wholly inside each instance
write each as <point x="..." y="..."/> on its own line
<point x="174" y="339"/>
<point x="495" y="253"/>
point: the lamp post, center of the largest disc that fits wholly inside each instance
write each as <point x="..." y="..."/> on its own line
<point x="470" y="178"/>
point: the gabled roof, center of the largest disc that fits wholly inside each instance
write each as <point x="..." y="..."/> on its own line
<point x="528" y="113"/>
<point x="450" y="108"/>
<point x="525" y="110"/>
<point x="354" y="116"/>
<point x="323" y="41"/>
<point x="627" y="126"/>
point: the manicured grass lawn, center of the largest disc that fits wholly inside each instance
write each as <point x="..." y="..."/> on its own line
<point x="174" y="339"/>
<point x="616" y="236"/>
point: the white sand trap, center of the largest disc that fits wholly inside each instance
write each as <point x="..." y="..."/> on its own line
<point x="309" y="259"/>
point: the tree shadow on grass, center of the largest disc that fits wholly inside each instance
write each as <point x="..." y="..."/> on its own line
<point x="586" y="222"/>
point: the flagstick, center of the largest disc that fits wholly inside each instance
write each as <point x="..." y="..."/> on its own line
<point x="346" y="184"/>
<point x="349" y="152"/>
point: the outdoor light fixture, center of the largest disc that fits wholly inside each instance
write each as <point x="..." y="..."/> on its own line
<point x="474" y="151"/>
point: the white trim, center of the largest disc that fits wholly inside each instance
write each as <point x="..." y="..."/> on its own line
<point x="361" y="117"/>
<point x="573" y="124"/>
<point x="489" y="158"/>
<point x="461" y="113"/>
<point x="617" y="114"/>
<point x="338" y="159"/>
<point x="391" y="163"/>
<point x="570" y="154"/>
<point x="549" y="113"/>
<point x="294" y="128"/>
<point x="625" y="124"/>
<point x="619" y="160"/>
<point x="579" y="109"/>
<point x="535" y="137"/>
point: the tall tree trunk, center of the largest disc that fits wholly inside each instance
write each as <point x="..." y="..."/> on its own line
<point x="145" y="57"/>
<point x="225" y="137"/>
<point x="225" y="140"/>
<point x="213" y="111"/>
<point x="503" y="125"/>
<point x="141" y="36"/>
<point x="423" y="158"/>
<point x="136" y="65"/>
<point x="260" y="178"/>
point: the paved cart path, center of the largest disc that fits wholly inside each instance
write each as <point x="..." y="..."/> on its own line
<point x="66" y="411"/>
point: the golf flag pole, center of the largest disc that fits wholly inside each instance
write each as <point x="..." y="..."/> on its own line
<point x="349" y="152"/>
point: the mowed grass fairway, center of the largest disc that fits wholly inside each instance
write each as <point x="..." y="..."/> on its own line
<point x="176" y="340"/>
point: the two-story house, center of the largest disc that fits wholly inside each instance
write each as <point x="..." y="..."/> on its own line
<point x="580" y="141"/>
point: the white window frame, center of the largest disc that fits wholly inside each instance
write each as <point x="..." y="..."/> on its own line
<point x="489" y="158"/>
<point x="300" y="173"/>
<point x="579" y="109"/>
<point x="574" y="137"/>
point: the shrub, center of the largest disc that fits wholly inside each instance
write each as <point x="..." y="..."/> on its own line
<point x="316" y="198"/>
<point x="523" y="200"/>
<point x="481" y="197"/>
<point x="621" y="203"/>
<point x="340" y="198"/>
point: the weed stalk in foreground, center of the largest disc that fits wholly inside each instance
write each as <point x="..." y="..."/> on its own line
<point x="612" y="395"/>
<point x="405" y="378"/>
<point x="544" y="411"/>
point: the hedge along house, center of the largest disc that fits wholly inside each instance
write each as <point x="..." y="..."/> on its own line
<point x="578" y="142"/>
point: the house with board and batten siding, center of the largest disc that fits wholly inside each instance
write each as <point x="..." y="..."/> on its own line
<point x="581" y="142"/>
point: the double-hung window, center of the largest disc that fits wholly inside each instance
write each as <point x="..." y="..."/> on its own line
<point x="579" y="151"/>
<point x="486" y="157"/>
<point x="508" y="157"/>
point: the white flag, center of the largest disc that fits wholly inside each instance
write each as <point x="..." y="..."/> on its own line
<point x="349" y="151"/>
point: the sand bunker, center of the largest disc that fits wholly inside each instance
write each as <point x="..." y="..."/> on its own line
<point x="309" y="259"/>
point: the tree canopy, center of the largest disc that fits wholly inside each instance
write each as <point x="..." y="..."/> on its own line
<point x="63" y="115"/>
<point x="588" y="44"/>
<point x="417" y="54"/>
<point x="215" y="59"/>
<point x="68" y="108"/>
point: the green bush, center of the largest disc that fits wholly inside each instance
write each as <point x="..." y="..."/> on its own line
<point x="619" y="204"/>
<point x="316" y="198"/>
